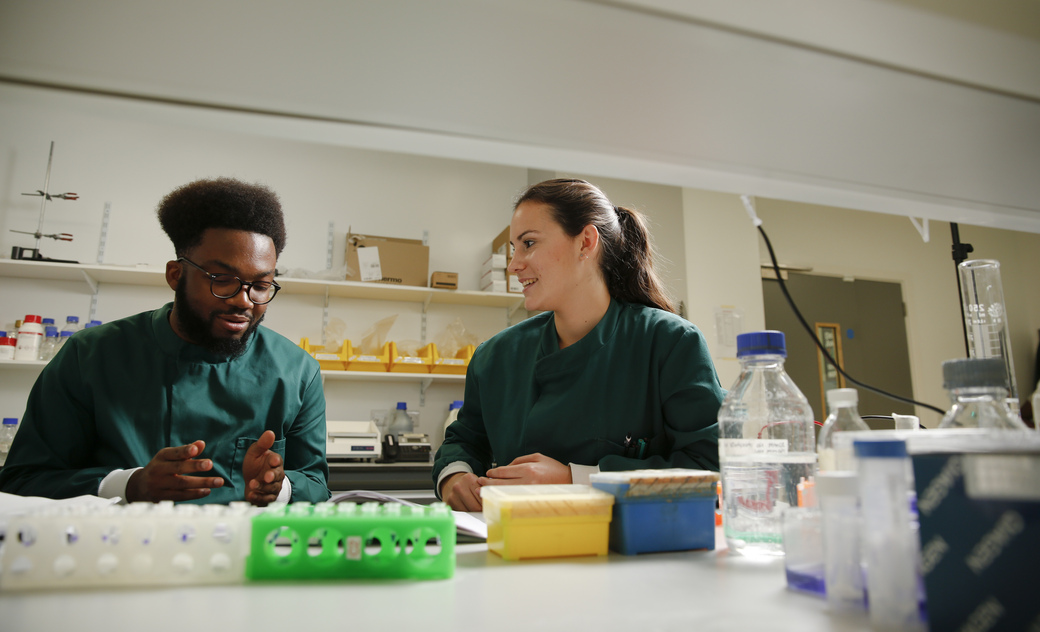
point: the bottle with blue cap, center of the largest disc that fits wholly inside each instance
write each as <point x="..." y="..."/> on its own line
<point x="766" y="446"/>
<point x="453" y="413"/>
<point x="401" y="421"/>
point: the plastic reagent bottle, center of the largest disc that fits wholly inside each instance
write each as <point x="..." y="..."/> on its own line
<point x="978" y="390"/>
<point x="843" y="417"/>
<point x="30" y="335"/>
<point x="453" y="413"/>
<point x="766" y="445"/>
<point x="401" y="421"/>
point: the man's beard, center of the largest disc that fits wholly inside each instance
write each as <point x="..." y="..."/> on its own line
<point x="200" y="330"/>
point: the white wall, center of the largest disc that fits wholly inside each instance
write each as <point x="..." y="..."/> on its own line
<point x="674" y="94"/>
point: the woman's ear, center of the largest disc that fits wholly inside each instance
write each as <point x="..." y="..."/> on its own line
<point x="589" y="241"/>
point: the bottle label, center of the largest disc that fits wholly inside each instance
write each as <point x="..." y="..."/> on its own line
<point x="729" y="448"/>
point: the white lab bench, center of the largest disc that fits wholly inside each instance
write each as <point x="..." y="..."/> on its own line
<point x="695" y="590"/>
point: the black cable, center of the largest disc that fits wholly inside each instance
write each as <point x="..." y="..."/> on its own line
<point x="819" y="345"/>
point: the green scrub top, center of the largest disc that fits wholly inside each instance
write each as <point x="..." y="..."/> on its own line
<point x="116" y="394"/>
<point x="640" y="374"/>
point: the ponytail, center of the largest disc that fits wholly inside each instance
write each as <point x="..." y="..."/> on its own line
<point x="627" y="252"/>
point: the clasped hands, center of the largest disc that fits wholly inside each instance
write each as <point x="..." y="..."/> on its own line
<point x="169" y="475"/>
<point x="462" y="490"/>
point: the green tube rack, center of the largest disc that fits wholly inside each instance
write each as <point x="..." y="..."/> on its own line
<point x="351" y="540"/>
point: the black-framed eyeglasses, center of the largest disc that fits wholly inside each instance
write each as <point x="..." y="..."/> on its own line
<point x="228" y="286"/>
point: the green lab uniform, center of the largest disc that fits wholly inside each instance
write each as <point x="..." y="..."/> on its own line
<point x="116" y="394"/>
<point x="642" y="373"/>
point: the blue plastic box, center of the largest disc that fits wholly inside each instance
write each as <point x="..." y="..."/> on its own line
<point x="660" y="510"/>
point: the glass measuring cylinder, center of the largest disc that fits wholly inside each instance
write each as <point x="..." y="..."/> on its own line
<point x="985" y="319"/>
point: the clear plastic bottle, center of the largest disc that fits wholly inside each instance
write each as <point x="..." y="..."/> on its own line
<point x="7" y="430"/>
<point x="30" y="335"/>
<point x="49" y="346"/>
<point x="978" y="391"/>
<point x="453" y="413"/>
<point x="63" y="337"/>
<point x="71" y="324"/>
<point x="766" y="445"/>
<point x="400" y="421"/>
<point x="844" y="417"/>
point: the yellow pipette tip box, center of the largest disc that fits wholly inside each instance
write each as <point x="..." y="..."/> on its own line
<point x="532" y="521"/>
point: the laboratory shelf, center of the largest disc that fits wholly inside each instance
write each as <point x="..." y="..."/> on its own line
<point x="383" y="376"/>
<point x="93" y="274"/>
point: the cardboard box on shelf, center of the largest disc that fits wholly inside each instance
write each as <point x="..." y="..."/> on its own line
<point x="492" y="275"/>
<point x="494" y="286"/>
<point x="513" y="285"/>
<point x="390" y="260"/>
<point x="500" y="245"/>
<point x="494" y="262"/>
<point x="445" y="280"/>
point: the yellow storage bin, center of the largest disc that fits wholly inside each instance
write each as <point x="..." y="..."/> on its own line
<point x="365" y="362"/>
<point x="530" y="521"/>
<point x="420" y="363"/>
<point x="329" y="360"/>
<point x="456" y="365"/>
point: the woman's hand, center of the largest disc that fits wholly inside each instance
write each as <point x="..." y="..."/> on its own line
<point x="530" y="469"/>
<point x="462" y="491"/>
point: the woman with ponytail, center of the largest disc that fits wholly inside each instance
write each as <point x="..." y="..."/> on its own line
<point x="608" y="377"/>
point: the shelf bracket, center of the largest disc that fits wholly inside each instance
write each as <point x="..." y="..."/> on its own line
<point x="425" y="306"/>
<point x="511" y="311"/>
<point x="90" y="281"/>
<point x="921" y="226"/>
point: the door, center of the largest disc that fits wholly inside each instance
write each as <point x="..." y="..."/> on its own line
<point x="871" y="328"/>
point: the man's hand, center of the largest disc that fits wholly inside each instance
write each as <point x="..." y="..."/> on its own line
<point x="262" y="471"/>
<point x="530" y="469"/>
<point x="462" y="492"/>
<point x="166" y="477"/>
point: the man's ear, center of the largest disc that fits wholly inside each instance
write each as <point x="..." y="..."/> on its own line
<point x="173" y="274"/>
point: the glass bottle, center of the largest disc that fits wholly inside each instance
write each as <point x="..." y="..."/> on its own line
<point x="844" y="417"/>
<point x="978" y="392"/>
<point x="766" y="445"/>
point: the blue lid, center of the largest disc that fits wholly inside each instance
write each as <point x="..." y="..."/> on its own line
<point x="72" y="319"/>
<point x="892" y="449"/>
<point x="93" y="323"/>
<point x="10" y="421"/>
<point x="455" y="404"/>
<point x="66" y="334"/>
<point x="48" y="321"/>
<point x="52" y="331"/>
<point x="402" y="406"/>
<point x="761" y="343"/>
<point x="3" y="334"/>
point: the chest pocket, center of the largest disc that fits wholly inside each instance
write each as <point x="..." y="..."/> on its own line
<point x="242" y="444"/>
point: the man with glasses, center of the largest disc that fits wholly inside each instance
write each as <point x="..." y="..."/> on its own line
<point x="194" y="401"/>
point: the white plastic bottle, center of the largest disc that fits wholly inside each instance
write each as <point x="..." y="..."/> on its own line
<point x="844" y="417"/>
<point x="766" y="446"/>
<point x="7" y="430"/>
<point x="30" y="336"/>
<point x="7" y="346"/>
<point x="400" y="421"/>
<point x="453" y="413"/>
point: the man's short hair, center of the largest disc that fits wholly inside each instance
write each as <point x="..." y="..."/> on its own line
<point x="186" y="212"/>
